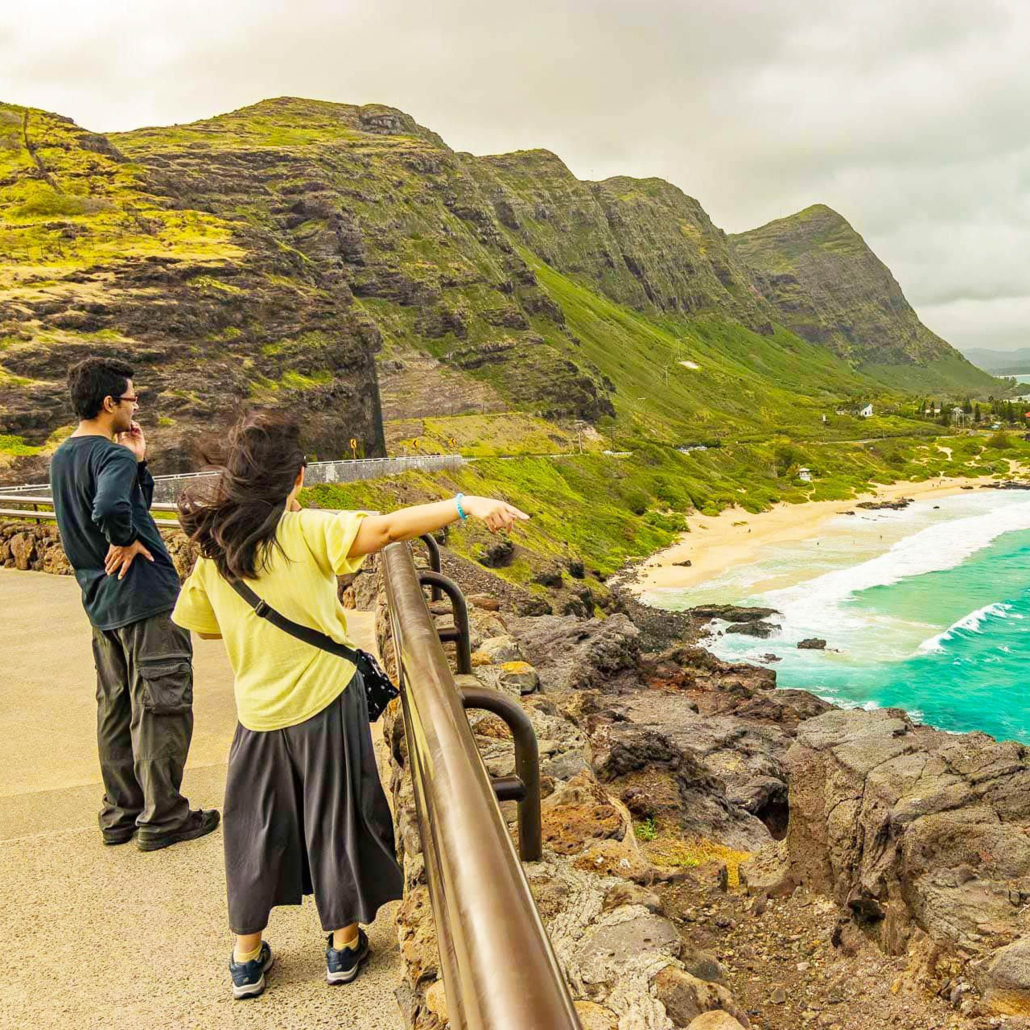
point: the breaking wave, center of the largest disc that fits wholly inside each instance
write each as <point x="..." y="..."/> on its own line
<point x="971" y="623"/>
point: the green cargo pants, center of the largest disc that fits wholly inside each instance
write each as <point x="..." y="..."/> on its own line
<point x="144" y="725"/>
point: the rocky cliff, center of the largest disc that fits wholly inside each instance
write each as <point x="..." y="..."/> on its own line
<point x="118" y="248"/>
<point x="642" y="242"/>
<point x="262" y="257"/>
<point x="829" y="287"/>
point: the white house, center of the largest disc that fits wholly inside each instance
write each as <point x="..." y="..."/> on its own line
<point x="866" y="412"/>
<point x="805" y="475"/>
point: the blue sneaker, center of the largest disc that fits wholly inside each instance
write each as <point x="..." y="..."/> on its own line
<point x="248" y="978"/>
<point x="342" y="964"/>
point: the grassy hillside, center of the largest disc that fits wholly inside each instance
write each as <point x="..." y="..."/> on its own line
<point x="606" y="510"/>
<point x="103" y="251"/>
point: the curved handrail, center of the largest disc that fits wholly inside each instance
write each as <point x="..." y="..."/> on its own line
<point x="499" y="969"/>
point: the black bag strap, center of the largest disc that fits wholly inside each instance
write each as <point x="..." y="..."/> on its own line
<point x="310" y="636"/>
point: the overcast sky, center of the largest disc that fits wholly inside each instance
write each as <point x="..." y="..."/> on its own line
<point x="908" y="117"/>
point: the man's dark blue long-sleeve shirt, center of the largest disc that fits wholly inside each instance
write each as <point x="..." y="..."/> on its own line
<point x="102" y="496"/>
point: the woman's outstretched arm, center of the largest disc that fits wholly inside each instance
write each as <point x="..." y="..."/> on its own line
<point x="377" y="531"/>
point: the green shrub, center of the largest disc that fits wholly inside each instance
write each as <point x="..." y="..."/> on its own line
<point x="637" y="501"/>
<point x="647" y="830"/>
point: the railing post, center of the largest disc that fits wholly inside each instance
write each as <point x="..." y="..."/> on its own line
<point x="527" y="765"/>
<point x="459" y="609"/>
<point x="434" y="561"/>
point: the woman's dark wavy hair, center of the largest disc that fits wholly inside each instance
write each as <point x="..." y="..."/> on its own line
<point x="234" y="520"/>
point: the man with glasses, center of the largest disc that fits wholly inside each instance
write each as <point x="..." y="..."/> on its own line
<point x="102" y="495"/>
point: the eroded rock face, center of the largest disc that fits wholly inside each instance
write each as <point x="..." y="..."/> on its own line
<point x="580" y="654"/>
<point x="915" y="830"/>
<point x="658" y="778"/>
<point x="830" y="288"/>
<point x="608" y="929"/>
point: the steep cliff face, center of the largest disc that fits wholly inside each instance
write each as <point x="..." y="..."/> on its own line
<point x="106" y="250"/>
<point x="386" y="213"/>
<point x="829" y="287"/>
<point x="642" y="242"/>
<point x="265" y="257"/>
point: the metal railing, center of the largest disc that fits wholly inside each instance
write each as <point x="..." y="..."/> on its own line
<point x="47" y="515"/>
<point x="499" y="969"/>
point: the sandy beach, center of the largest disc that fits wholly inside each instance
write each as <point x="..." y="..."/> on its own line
<point x="735" y="537"/>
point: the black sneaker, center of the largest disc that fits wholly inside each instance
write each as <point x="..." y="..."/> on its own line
<point x="342" y="964"/>
<point x="197" y="824"/>
<point x="119" y="837"/>
<point x="248" y="978"/>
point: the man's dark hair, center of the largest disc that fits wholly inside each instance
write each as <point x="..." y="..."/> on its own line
<point x="90" y="381"/>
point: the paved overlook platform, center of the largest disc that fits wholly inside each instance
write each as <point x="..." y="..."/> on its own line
<point x="109" y="938"/>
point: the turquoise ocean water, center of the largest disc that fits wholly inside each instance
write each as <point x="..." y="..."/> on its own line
<point x="927" y="609"/>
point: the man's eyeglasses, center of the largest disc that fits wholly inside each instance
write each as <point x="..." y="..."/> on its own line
<point x="132" y="400"/>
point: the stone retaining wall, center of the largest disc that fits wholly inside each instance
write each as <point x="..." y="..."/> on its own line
<point x="36" y="547"/>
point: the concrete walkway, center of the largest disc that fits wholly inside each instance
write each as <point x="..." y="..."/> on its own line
<point x="108" y="937"/>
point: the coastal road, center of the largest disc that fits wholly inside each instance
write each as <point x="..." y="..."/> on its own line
<point x="109" y="937"/>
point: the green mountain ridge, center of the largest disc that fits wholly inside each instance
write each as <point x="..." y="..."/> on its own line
<point x="343" y="262"/>
<point x="827" y="285"/>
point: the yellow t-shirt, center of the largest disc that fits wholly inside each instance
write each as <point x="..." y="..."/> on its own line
<point x="281" y="681"/>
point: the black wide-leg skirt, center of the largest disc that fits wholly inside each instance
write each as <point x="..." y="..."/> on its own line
<point x="305" y="813"/>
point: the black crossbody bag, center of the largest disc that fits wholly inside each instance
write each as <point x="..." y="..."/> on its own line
<point x="379" y="690"/>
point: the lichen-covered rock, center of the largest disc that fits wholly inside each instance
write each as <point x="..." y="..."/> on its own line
<point x="23" y="550"/>
<point x="631" y="894"/>
<point x="915" y="831"/>
<point x="768" y="872"/>
<point x="501" y="649"/>
<point x="595" y="1017"/>
<point x="613" y="944"/>
<point x="436" y="1000"/>
<point x="1006" y="981"/>
<point x="417" y="936"/>
<point x="578" y="812"/>
<point x="660" y="779"/>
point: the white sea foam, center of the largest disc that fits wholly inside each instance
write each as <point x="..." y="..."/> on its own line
<point x="816" y="604"/>
<point x="970" y="623"/>
<point x="938" y="547"/>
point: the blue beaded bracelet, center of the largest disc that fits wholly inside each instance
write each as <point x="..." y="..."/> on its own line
<point x="461" y="510"/>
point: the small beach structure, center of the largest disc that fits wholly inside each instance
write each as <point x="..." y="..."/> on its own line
<point x="805" y="475"/>
<point x="866" y="412"/>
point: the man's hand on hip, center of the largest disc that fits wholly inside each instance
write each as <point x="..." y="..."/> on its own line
<point x="120" y="558"/>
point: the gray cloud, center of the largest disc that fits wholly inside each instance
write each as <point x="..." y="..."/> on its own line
<point x="909" y="118"/>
